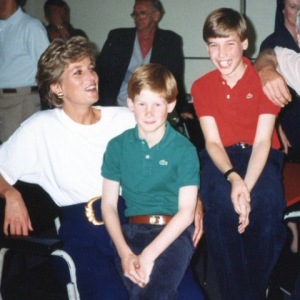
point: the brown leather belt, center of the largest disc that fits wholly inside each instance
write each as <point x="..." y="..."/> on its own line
<point x="14" y="91"/>
<point x="151" y="219"/>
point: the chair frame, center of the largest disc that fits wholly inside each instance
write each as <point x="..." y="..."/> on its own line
<point x="40" y="246"/>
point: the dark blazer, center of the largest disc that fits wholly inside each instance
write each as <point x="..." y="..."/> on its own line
<point x="113" y="61"/>
<point x="282" y="38"/>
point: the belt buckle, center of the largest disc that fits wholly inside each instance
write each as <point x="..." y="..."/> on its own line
<point x="90" y="212"/>
<point x="157" y="220"/>
<point x="243" y="145"/>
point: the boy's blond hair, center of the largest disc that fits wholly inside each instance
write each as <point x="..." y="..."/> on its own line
<point x="223" y="22"/>
<point x="153" y="77"/>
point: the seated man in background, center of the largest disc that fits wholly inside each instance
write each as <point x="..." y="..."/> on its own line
<point x="128" y="48"/>
<point x="57" y="14"/>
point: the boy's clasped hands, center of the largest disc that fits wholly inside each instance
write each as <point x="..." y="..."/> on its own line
<point x="137" y="268"/>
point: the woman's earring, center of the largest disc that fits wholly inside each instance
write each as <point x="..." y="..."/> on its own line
<point x="60" y="95"/>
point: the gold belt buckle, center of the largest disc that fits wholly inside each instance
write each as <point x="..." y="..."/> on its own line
<point x="90" y="212"/>
<point x="157" y="220"/>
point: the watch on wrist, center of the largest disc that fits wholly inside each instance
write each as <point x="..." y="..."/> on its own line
<point x="227" y="173"/>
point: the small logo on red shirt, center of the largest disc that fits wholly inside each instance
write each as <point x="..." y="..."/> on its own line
<point x="249" y="96"/>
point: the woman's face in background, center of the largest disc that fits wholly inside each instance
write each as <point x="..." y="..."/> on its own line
<point x="290" y="10"/>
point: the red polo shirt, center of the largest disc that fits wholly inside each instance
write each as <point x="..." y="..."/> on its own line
<point x="236" y="110"/>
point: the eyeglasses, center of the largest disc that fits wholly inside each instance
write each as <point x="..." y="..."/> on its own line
<point x="141" y="14"/>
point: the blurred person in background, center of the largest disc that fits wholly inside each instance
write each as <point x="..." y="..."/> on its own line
<point x="23" y="40"/>
<point x="57" y="14"/>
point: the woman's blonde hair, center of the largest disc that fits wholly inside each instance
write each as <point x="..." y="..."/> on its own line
<point x="55" y="60"/>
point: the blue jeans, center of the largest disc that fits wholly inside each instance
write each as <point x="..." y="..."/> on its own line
<point x="169" y="267"/>
<point x="243" y="262"/>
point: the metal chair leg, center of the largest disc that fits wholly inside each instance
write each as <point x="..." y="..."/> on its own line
<point x="72" y="286"/>
<point x="2" y="256"/>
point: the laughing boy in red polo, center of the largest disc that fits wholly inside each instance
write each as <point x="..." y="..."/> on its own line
<point x="158" y="171"/>
<point x="241" y="183"/>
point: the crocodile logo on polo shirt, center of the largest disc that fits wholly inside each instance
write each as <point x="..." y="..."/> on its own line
<point x="163" y="162"/>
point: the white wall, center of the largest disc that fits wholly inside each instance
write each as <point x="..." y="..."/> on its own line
<point x="186" y="17"/>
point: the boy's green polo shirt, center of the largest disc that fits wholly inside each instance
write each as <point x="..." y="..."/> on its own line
<point x="151" y="177"/>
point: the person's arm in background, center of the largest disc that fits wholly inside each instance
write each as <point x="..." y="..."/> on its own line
<point x="289" y="67"/>
<point x="198" y="222"/>
<point x="274" y="85"/>
<point x="284" y="140"/>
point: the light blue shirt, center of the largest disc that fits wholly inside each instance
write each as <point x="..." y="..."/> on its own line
<point x="22" y="41"/>
<point x="136" y="61"/>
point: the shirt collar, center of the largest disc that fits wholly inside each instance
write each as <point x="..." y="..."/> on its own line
<point x="167" y="138"/>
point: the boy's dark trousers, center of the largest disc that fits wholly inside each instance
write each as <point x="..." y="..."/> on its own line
<point x="169" y="267"/>
<point x="243" y="262"/>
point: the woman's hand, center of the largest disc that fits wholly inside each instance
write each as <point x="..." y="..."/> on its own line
<point x="16" y="215"/>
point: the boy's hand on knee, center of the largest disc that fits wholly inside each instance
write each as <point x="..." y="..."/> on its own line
<point x="238" y="189"/>
<point x="245" y="209"/>
<point x="146" y="267"/>
<point x="131" y="265"/>
<point x="240" y="197"/>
